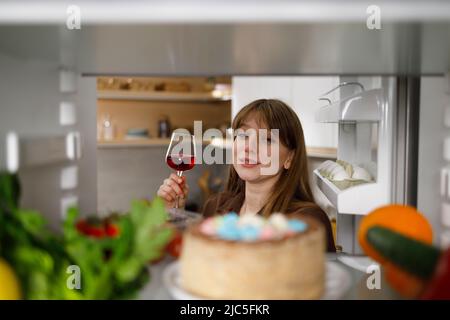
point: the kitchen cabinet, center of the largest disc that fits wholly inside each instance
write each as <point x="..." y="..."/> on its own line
<point x="301" y="93"/>
<point x="140" y="103"/>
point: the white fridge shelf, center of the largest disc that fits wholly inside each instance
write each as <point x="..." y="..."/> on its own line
<point x="359" y="199"/>
<point x="365" y="106"/>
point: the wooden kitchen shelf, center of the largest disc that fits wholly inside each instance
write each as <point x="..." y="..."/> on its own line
<point x="313" y="152"/>
<point x="119" y="143"/>
<point x="321" y="152"/>
<point x="124" y="143"/>
<point x="161" y="96"/>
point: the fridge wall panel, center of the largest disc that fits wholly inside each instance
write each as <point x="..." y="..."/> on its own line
<point x="32" y="107"/>
<point x="434" y="99"/>
<point x="86" y="102"/>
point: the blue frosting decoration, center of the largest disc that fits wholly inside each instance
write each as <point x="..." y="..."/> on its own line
<point x="297" y="225"/>
<point x="249" y="233"/>
<point x="229" y="232"/>
<point x="230" y="218"/>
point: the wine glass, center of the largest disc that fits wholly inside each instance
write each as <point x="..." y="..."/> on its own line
<point x="181" y="154"/>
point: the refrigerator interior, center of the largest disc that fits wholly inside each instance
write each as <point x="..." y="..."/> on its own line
<point x="48" y="98"/>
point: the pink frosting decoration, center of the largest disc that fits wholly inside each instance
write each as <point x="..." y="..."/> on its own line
<point x="208" y="227"/>
<point x="267" y="233"/>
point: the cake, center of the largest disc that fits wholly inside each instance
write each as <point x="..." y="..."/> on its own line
<point x="250" y="257"/>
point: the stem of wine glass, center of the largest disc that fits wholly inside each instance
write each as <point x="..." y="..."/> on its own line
<point x="179" y="173"/>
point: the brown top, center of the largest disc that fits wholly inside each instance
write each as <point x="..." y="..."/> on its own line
<point x="223" y="202"/>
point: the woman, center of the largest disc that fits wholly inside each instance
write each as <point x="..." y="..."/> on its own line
<point x="248" y="191"/>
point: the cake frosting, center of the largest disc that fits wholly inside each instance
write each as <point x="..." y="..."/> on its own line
<point x="251" y="257"/>
<point x="251" y="227"/>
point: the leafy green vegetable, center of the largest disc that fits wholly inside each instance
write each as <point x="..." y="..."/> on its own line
<point x="9" y="191"/>
<point x="110" y="267"/>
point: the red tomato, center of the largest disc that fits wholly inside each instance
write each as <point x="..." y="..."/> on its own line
<point x="87" y="229"/>
<point x="96" y="232"/>
<point x="97" y="229"/>
<point x="82" y="227"/>
<point x="111" y="230"/>
<point x="174" y="246"/>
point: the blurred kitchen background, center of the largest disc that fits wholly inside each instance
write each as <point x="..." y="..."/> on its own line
<point x="135" y="117"/>
<point x="85" y="112"/>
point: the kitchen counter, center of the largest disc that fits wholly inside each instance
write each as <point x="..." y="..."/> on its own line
<point x="155" y="289"/>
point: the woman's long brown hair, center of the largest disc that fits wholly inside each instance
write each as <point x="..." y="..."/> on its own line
<point x="292" y="190"/>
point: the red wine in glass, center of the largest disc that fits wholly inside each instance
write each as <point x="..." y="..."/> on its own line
<point x="176" y="158"/>
<point x="181" y="162"/>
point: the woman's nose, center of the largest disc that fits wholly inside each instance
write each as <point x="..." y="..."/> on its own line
<point x="251" y="146"/>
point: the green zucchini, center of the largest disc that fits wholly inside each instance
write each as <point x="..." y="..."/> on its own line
<point x="414" y="256"/>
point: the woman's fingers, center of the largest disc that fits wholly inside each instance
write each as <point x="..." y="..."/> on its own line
<point x="177" y="179"/>
<point x="166" y="193"/>
<point x="166" y="196"/>
<point x="186" y="189"/>
<point x="170" y="191"/>
<point x="174" y="188"/>
<point x="173" y="185"/>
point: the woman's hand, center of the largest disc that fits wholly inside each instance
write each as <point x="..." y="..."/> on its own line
<point x="171" y="188"/>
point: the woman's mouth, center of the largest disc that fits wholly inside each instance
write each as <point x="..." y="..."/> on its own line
<point x="248" y="163"/>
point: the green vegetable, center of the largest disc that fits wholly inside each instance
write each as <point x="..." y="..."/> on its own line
<point x="111" y="268"/>
<point x="411" y="255"/>
<point x="9" y="191"/>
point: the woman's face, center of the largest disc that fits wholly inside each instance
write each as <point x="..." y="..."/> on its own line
<point x="247" y="152"/>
